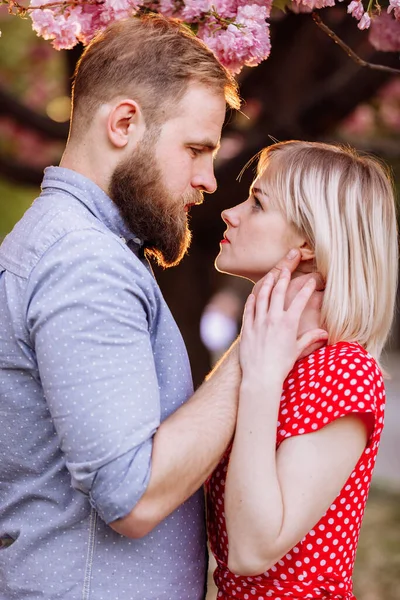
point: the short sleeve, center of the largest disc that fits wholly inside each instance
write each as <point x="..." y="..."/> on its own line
<point x="89" y="309"/>
<point x="331" y="383"/>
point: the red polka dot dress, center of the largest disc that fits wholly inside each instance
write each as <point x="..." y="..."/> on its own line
<point x="330" y="383"/>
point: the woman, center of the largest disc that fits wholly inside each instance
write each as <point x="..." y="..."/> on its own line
<point x="286" y="502"/>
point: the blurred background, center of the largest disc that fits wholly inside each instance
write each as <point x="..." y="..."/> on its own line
<point x="308" y="89"/>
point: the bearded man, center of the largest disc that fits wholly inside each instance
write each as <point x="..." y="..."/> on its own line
<point x="104" y="447"/>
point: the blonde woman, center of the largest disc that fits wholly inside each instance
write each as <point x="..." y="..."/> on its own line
<point x="286" y="502"/>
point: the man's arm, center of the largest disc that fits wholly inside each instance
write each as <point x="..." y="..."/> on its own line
<point x="88" y="320"/>
<point x="189" y="444"/>
<point x="187" y="447"/>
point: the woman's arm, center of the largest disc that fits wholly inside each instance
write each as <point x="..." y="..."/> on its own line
<point x="272" y="499"/>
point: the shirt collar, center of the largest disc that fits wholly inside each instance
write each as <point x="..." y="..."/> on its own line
<point x="92" y="196"/>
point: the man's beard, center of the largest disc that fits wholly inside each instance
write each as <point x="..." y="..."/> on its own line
<point x="151" y="212"/>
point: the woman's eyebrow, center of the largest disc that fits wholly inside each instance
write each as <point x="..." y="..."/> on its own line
<point x="255" y="191"/>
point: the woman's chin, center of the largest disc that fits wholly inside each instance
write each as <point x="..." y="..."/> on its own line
<point x="228" y="269"/>
<point x="223" y="266"/>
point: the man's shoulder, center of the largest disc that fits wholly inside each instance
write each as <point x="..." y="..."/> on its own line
<point x="48" y="221"/>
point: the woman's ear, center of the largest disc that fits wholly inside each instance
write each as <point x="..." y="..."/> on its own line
<point x="307" y="253"/>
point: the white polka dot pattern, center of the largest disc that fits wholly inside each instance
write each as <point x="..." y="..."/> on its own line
<point x="91" y="361"/>
<point x="330" y="383"/>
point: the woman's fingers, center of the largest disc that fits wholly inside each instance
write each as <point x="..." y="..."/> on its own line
<point x="301" y="299"/>
<point x="263" y="298"/>
<point x="278" y="295"/>
<point x="248" y="313"/>
<point x="290" y="262"/>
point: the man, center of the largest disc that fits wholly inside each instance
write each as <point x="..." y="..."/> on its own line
<point x="104" y="447"/>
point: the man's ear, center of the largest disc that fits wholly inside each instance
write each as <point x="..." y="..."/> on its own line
<point x="307" y="253"/>
<point x="125" y="123"/>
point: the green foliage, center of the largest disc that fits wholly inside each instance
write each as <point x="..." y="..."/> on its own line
<point x="30" y="68"/>
<point x="281" y="4"/>
<point x="377" y="570"/>
<point x="14" y="200"/>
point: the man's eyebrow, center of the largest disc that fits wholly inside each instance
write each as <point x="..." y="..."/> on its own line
<point x="208" y="144"/>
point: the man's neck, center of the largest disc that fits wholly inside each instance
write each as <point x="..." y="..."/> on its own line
<point x="77" y="161"/>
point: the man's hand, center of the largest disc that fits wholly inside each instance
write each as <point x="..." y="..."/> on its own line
<point x="311" y="317"/>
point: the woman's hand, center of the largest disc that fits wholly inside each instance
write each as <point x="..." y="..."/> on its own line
<point x="269" y="344"/>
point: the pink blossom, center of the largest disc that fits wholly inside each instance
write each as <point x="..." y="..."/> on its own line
<point x="226" y="8"/>
<point x="225" y="44"/>
<point x="365" y="21"/>
<point x="170" y="8"/>
<point x="121" y="5"/>
<point x="298" y="8"/>
<point x="394" y="5"/>
<point x="194" y="9"/>
<point x="385" y="33"/>
<point x="59" y="28"/>
<point x="267" y="4"/>
<point x="389" y="104"/>
<point x="89" y="19"/>
<point x="237" y="33"/>
<point x="246" y="42"/>
<point x="360" y="122"/>
<point x="252" y="15"/>
<point x="390" y="90"/>
<point x="390" y="115"/>
<point x="78" y="22"/>
<point x="310" y="5"/>
<point x="356" y="9"/>
<point x="34" y="3"/>
<point x="114" y="10"/>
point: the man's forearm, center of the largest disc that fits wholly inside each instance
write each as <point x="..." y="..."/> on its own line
<point x="187" y="447"/>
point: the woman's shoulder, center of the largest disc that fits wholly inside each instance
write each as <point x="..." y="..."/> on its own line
<point x="331" y="382"/>
<point x="339" y="361"/>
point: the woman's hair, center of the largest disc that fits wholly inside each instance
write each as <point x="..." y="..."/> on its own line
<point x="343" y="203"/>
<point x="153" y="60"/>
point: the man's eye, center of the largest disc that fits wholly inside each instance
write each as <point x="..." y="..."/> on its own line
<point x="195" y="151"/>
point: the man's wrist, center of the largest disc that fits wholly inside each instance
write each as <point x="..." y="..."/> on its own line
<point x="261" y="385"/>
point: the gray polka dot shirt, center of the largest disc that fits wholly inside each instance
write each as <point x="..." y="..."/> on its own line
<point x="91" y="361"/>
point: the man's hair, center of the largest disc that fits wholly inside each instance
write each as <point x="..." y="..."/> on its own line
<point x="343" y="202"/>
<point x="150" y="59"/>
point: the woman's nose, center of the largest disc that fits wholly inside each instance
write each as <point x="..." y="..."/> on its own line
<point x="230" y="216"/>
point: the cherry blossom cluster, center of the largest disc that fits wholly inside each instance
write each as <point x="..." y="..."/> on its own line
<point x="384" y="24"/>
<point x="236" y="30"/>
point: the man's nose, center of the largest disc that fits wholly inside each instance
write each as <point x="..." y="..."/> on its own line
<point x="205" y="181"/>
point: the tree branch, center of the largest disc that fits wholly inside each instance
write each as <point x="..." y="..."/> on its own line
<point x="357" y="59"/>
<point x="15" y="7"/>
<point x="20" y="173"/>
<point x="29" y="118"/>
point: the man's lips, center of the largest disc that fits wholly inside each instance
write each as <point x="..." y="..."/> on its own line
<point x="188" y="206"/>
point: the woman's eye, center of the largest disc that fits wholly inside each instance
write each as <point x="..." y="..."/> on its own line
<point x="257" y="203"/>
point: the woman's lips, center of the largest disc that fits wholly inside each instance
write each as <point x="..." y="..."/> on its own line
<point x="225" y="241"/>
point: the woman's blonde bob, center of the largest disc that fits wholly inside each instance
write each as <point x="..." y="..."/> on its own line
<point x="343" y="203"/>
